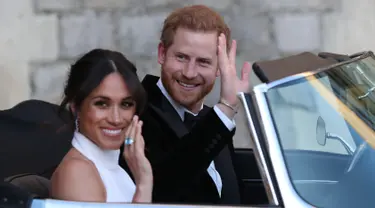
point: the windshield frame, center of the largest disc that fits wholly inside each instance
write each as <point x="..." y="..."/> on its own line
<point x="267" y="86"/>
<point x="289" y="195"/>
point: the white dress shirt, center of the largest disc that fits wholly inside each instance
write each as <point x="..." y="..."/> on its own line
<point x="230" y="124"/>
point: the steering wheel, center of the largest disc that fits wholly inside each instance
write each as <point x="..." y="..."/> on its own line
<point x="356" y="186"/>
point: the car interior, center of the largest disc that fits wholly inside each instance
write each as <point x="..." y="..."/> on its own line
<point x="32" y="177"/>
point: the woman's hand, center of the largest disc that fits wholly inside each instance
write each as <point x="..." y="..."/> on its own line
<point x="138" y="163"/>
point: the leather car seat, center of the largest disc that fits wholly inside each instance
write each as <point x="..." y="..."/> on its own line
<point x="35" y="185"/>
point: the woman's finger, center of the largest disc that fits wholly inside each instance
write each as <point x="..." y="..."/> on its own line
<point x="139" y="144"/>
<point x="128" y="135"/>
<point x="126" y="147"/>
<point x="132" y="130"/>
<point x="141" y="140"/>
<point x="132" y="134"/>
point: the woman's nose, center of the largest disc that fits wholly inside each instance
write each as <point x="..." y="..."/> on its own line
<point x="115" y="116"/>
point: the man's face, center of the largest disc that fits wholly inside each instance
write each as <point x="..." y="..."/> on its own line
<point x="189" y="66"/>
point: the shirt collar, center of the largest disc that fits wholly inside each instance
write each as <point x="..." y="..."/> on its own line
<point x="179" y="108"/>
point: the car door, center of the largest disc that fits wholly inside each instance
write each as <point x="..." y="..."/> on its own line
<point x="292" y="112"/>
<point x="251" y="162"/>
<point x="252" y="187"/>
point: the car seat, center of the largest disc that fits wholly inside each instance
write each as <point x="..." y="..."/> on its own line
<point x="12" y="196"/>
<point x="35" y="185"/>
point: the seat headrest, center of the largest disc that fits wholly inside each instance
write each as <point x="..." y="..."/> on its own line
<point x="37" y="111"/>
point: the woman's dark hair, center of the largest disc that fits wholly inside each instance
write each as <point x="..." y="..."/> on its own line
<point x="90" y="70"/>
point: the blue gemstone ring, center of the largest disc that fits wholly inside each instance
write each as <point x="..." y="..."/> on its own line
<point x="128" y="141"/>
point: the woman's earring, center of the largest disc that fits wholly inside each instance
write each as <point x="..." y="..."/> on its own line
<point x="77" y="123"/>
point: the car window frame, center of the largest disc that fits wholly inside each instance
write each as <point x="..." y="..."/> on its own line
<point x="257" y="139"/>
<point x="289" y="195"/>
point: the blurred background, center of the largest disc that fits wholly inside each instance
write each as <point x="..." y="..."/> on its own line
<point x="39" y="39"/>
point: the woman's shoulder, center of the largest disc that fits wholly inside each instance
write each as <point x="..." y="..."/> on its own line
<point x="77" y="175"/>
<point x="75" y="165"/>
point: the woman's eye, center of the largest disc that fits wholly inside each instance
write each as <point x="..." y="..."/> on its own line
<point x="101" y="104"/>
<point x="128" y="104"/>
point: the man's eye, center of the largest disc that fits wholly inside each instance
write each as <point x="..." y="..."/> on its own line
<point x="181" y="57"/>
<point x="205" y="63"/>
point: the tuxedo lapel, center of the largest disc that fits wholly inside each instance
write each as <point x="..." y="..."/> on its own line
<point x="171" y="119"/>
<point x="162" y="107"/>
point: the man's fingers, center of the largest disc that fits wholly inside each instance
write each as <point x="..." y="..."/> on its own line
<point x="223" y="43"/>
<point x="232" y="53"/>
<point x="222" y="52"/>
<point x="245" y="72"/>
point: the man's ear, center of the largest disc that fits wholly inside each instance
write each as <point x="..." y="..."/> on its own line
<point x="161" y="53"/>
<point x="218" y="72"/>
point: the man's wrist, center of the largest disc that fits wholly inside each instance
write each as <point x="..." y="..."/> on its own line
<point x="233" y="107"/>
<point x="226" y="110"/>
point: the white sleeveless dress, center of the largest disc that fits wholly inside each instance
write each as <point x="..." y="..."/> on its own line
<point x="118" y="184"/>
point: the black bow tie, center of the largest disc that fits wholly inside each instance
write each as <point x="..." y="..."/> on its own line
<point x="190" y="120"/>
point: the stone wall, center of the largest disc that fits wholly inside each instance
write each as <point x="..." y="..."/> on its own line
<point x="264" y="29"/>
<point x="40" y="38"/>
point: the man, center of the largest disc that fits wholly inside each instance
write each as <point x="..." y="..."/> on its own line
<point x="192" y="162"/>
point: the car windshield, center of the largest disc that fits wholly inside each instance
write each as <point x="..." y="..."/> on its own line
<point x="325" y="125"/>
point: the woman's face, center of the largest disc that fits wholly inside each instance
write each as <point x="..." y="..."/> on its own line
<point x="107" y="112"/>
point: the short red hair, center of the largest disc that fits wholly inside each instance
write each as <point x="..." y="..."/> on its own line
<point x="197" y="18"/>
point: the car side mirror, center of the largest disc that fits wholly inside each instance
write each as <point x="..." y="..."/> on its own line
<point x="321" y="132"/>
<point x="322" y="135"/>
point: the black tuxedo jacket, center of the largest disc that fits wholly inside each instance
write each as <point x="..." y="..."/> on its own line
<point x="180" y="159"/>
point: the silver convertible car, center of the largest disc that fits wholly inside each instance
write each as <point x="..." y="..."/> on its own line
<point x="310" y="122"/>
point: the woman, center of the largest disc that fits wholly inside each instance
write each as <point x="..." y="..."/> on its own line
<point x="105" y="96"/>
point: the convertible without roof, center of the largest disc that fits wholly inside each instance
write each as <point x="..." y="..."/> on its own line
<point x="310" y="122"/>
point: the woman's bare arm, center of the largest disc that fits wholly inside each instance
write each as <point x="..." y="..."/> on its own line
<point x="78" y="180"/>
<point x="143" y="193"/>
